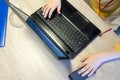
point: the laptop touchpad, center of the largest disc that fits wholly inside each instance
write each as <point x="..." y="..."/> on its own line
<point x="79" y="20"/>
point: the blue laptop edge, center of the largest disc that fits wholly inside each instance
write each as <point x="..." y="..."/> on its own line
<point x="3" y="22"/>
<point x="27" y="19"/>
<point x="56" y="51"/>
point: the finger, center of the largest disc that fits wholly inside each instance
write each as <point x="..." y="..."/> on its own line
<point x="45" y="11"/>
<point x="51" y="11"/>
<point x="92" y="71"/>
<point x="83" y="69"/>
<point x="87" y="71"/>
<point x="59" y="9"/>
<point x="44" y="7"/>
<point x="84" y="58"/>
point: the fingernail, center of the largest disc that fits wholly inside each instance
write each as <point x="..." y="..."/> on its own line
<point x="79" y="72"/>
<point x="83" y="75"/>
<point x="45" y="16"/>
<point x="59" y="13"/>
<point x="49" y="17"/>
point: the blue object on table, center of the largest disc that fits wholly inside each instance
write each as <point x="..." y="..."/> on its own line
<point x="117" y="31"/>
<point x="75" y="76"/>
<point x="3" y="22"/>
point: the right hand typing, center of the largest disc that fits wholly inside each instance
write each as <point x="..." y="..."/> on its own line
<point x="50" y="6"/>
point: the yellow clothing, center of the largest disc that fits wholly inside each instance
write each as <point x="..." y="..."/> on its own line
<point x="117" y="46"/>
<point x="106" y="12"/>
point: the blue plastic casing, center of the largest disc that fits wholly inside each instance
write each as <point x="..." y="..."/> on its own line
<point x="48" y="42"/>
<point x="3" y="22"/>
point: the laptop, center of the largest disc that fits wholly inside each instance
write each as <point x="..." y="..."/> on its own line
<point x="3" y="22"/>
<point x="66" y="34"/>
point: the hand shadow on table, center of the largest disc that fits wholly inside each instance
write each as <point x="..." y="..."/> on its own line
<point x="67" y="64"/>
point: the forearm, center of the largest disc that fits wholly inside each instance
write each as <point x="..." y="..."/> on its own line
<point x="110" y="55"/>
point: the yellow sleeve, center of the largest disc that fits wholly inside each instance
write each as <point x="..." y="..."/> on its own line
<point x="117" y="46"/>
<point x="108" y="11"/>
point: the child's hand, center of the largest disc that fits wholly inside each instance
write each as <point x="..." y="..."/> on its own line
<point x="89" y="64"/>
<point x="50" y="6"/>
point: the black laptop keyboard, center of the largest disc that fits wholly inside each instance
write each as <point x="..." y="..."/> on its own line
<point x="65" y="31"/>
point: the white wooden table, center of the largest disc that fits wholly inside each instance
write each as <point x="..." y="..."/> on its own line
<point x="26" y="57"/>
